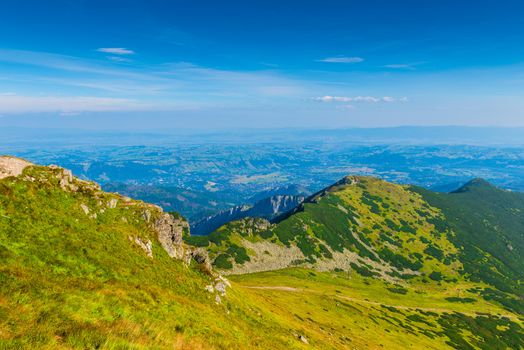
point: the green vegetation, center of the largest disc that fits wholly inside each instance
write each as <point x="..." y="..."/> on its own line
<point x="385" y="224"/>
<point x="72" y="280"/>
<point x="351" y="307"/>
<point x="474" y="234"/>
<point x="84" y="269"/>
<point x="487" y="225"/>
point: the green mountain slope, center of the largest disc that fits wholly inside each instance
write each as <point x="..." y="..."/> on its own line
<point x="365" y="264"/>
<point x="361" y="223"/>
<point x="488" y="226"/>
<point x="403" y="235"/>
<point x="82" y="268"/>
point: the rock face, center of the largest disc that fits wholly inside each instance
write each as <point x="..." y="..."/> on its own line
<point x="11" y="166"/>
<point x="201" y="256"/>
<point x="274" y="205"/>
<point x="170" y="234"/>
<point x="68" y="182"/>
<point x="267" y="208"/>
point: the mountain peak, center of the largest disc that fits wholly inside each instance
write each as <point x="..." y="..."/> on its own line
<point x="474" y="185"/>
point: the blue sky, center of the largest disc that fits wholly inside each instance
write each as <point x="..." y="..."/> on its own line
<point x="229" y="64"/>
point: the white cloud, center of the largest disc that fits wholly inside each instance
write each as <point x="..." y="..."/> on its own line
<point x="365" y="99"/>
<point x="66" y="105"/>
<point x="118" y="59"/>
<point x="116" y="50"/>
<point x="342" y="60"/>
<point x="409" y="66"/>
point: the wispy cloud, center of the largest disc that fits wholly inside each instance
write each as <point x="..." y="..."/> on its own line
<point x="342" y="59"/>
<point x="98" y="85"/>
<point x="365" y="99"/>
<point x="118" y="59"/>
<point x="64" y="104"/>
<point x="137" y="86"/>
<point x="116" y="50"/>
<point x="403" y="65"/>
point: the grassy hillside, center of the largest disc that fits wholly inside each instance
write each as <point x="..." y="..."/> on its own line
<point x="349" y="311"/>
<point x="84" y="269"/>
<point x="488" y="226"/>
<point x="361" y="223"/>
<point x="401" y="234"/>
<point x="71" y="279"/>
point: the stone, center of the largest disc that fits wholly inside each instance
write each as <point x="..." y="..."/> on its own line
<point x="221" y="288"/>
<point x="85" y="208"/>
<point x="170" y="232"/>
<point x="224" y="280"/>
<point x="112" y="203"/>
<point x="146" y="246"/>
<point x="12" y="166"/>
<point x="303" y="339"/>
<point x="146" y="215"/>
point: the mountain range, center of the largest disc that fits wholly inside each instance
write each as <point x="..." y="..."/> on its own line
<point x="361" y="264"/>
<point x="267" y="208"/>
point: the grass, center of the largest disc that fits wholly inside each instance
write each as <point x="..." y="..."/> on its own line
<point x="341" y="310"/>
<point x="70" y="280"/>
<point x="473" y="234"/>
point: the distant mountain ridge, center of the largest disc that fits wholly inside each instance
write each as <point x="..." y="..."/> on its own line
<point x="288" y="190"/>
<point x="267" y="208"/>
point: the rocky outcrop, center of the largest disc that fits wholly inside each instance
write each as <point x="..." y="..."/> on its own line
<point x="12" y="166"/>
<point x="169" y="229"/>
<point x="267" y="208"/>
<point x="219" y="287"/>
<point x="211" y="223"/>
<point x="68" y="182"/>
<point x="170" y="232"/>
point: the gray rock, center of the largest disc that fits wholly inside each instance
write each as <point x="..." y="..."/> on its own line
<point x="170" y="232"/>
<point x="303" y="339"/>
<point x="146" y="215"/>
<point x="12" y="166"/>
<point x="221" y="288"/>
<point x="146" y="246"/>
<point x="85" y="208"/>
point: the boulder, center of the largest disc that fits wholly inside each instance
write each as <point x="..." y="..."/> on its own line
<point x="85" y="208"/>
<point x="12" y="166"/>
